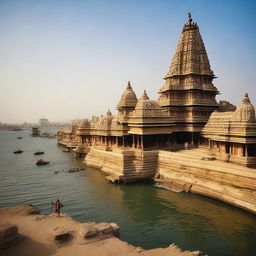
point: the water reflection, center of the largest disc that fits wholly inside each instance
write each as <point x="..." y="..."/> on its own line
<point x="191" y="221"/>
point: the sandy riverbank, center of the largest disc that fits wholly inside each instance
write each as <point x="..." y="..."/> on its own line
<point x="37" y="235"/>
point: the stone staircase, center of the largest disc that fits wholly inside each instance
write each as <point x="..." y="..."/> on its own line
<point x="124" y="165"/>
<point x="192" y="171"/>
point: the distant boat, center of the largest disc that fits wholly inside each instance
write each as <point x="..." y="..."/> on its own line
<point x="35" y="131"/>
<point x="65" y="150"/>
<point x="18" y="151"/>
<point x="42" y="162"/>
<point x="19" y="138"/>
<point x="39" y="153"/>
<point x="75" y="169"/>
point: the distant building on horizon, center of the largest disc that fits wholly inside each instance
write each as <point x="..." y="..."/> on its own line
<point x="43" y="122"/>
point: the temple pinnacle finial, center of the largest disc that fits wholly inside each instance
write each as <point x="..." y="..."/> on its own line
<point x="190" y="25"/>
<point x="190" y="18"/>
<point x="246" y="98"/>
<point x="145" y="96"/>
<point x="129" y="85"/>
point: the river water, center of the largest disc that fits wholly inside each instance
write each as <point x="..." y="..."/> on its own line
<point x="149" y="217"/>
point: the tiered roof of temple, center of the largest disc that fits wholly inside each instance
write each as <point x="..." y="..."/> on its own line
<point x="188" y="92"/>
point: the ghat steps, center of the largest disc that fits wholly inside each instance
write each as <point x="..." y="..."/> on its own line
<point x="124" y="165"/>
<point x="187" y="171"/>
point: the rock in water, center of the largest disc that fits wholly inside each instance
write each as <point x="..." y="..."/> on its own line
<point x="18" y="151"/>
<point x="9" y="235"/>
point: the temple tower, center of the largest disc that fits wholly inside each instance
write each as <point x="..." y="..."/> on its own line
<point x="188" y="92"/>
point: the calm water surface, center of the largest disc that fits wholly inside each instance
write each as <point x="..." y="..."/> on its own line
<point x="149" y="217"/>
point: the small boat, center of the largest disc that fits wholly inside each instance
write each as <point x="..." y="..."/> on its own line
<point x="42" y="162"/>
<point x="65" y="150"/>
<point x="39" y="153"/>
<point x="74" y="169"/>
<point x="19" y="138"/>
<point x="18" y="151"/>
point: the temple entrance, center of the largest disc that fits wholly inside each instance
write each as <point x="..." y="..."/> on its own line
<point x="192" y="138"/>
<point x="227" y="148"/>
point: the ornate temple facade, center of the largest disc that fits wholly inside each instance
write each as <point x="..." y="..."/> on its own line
<point x="185" y="138"/>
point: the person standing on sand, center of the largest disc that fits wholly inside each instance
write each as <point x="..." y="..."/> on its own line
<point x="58" y="205"/>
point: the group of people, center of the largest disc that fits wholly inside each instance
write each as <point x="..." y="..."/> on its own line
<point x="57" y="205"/>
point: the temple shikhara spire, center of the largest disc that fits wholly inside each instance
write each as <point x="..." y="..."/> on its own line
<point x="148" y="139"/>
<point x="188" y="93"/>
<point x="190" y="56"/>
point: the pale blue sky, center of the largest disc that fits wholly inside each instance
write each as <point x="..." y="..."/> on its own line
<point x="72" y="59"/>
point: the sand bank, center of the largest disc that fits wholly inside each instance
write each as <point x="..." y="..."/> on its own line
<point x="42" y="235"/>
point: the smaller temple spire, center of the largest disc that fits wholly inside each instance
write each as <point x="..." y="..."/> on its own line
<point x="109" y="113"/>
<point x="145" y="96"/>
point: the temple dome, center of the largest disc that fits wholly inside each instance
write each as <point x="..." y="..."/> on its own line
<point x="145" y="103"/>
<point x="245" y="112"/>
<point x="128" y="98"/>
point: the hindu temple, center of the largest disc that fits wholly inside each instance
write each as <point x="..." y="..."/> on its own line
<point x="184" y="140"/>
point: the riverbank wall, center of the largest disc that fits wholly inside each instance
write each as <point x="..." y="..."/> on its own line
<point x="122" y="166"/>
<point x="195" y="172"/>
<point x="192" y="171"/>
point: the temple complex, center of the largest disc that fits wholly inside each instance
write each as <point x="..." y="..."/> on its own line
<point x="184" y="140"/>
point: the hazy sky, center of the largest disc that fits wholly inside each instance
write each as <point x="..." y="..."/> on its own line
<point x="72" y="59"/>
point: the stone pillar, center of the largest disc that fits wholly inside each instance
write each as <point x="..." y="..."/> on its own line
<point x="116" y="141"/>
<point x="133" y="141"/>
<point x="138" y="141"/>
<point x="123" y="141"/>
<point x="246" y="150"/>
<point x="142" y="142"/>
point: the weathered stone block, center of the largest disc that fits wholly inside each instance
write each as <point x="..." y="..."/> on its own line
<point x="61" y="235"/>
<point x="88" y="232"/>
